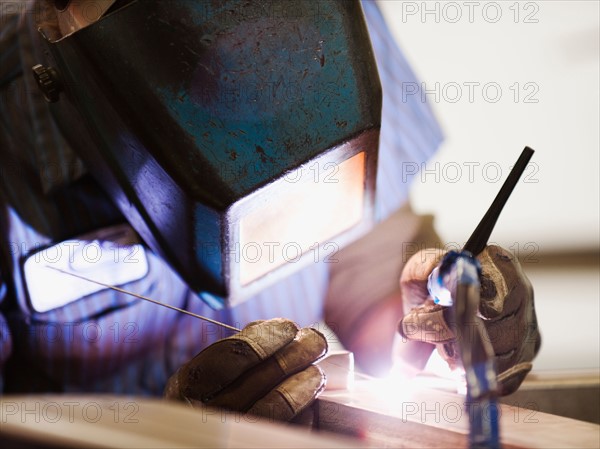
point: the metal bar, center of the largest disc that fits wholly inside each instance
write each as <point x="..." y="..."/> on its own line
<point x="478" y="240"/>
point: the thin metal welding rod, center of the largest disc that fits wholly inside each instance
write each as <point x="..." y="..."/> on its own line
<point x="478" y="240"/>
<point x="112" y="287"/>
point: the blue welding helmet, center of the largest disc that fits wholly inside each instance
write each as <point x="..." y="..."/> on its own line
<point x="236" y="137"/>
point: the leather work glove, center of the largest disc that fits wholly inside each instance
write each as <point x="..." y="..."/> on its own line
<point x="506" y="308"/>
<point x="266" y="370"/>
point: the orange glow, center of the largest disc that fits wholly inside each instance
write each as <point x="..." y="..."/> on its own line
<point x="307" y="208"/>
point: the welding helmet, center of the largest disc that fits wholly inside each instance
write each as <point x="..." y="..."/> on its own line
<point x="236" y="137"/>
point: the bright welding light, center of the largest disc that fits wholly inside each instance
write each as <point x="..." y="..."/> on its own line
<point x="398" y="387"/>
<point x="438" y="367"/>
<point x="392" y="391"/>
<point x="402" y="386"/>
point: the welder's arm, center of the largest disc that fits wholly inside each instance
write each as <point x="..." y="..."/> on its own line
<point x="364" y="303"/>
<point x="506" y="307"/>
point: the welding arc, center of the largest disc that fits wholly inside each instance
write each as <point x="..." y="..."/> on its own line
<point x="478" y="240"/>
<point x="112" y="287"/>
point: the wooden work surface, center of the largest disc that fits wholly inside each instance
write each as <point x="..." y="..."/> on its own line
<point x="385" y="415"/>
<point x="423" y="414"/>
<point x="121" y="421"/>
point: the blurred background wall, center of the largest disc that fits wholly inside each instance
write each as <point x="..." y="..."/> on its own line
<point x="500" y="76"/>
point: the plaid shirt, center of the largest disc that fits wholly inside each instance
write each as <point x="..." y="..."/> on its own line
<point x="107" y="342"/>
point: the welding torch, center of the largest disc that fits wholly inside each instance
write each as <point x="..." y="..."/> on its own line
<point x="455" y="283"/>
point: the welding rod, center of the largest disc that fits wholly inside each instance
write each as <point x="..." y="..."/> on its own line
<point x="154" y="301"/>
<point x="478" y="240"/>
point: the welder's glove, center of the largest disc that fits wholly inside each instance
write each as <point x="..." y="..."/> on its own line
<point x="506" y="308"/>
<point x="266" y="370"/>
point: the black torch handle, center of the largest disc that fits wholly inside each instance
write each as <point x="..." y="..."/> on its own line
<point x="478" y="240"/>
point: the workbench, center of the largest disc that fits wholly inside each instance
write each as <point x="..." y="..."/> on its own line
<point x="423" y="413"/>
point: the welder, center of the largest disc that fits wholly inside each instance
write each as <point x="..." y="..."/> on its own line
<point x="168" y="148"/>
